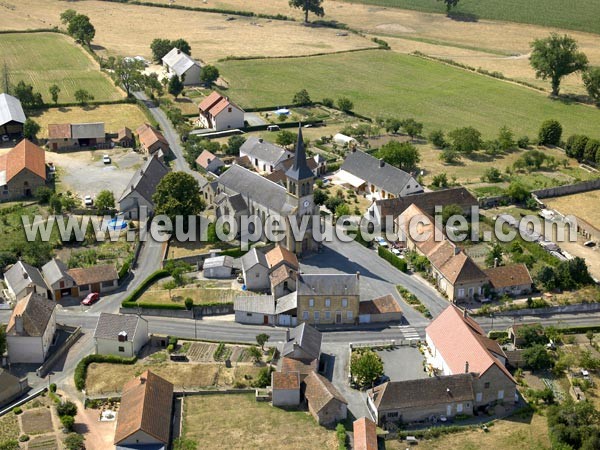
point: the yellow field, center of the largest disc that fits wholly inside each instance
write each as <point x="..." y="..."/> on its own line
<point x="584" y="205"/>
<point x="115" y="117"/>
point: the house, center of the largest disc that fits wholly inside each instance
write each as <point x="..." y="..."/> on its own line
<point x="141" y="188"/>
<point x="120" y="334"/>
<point x="145" y="415"/>
<point x="59" y="281"/>
<point x="255" y="270"/>
<point x="514" y="279"/>
<point x="283" y="268"/>
<point x="218" y="267"/>
<point x="124" y="138"/>
<point x="264" y="156"/>
<point x="100" y="279"/>
<point x="181" y="64"/>
<point x="12" y="117"/>
<point x="220" y="114"/>
<point x="30" y="330"/>
<point x="151" y="140"/>
<point x="417" y="400"/>
<point x="209" y="162"/>
<point x="364" y="434"/>
<point x="328" y="298"/>
<point x="255" y="309"/>
<point x="22" y="279"/>
<point x="457" y="344"/>
<point x="22" y="171"/>
<point x="11" y="387"/>
<point x="325" y="403"/>
<point x="77" y="135"/>
<point x="383" y="212"/>
<point x="380" y="309"/>
<point x="285" y="388"/>
<point x="302" y="343"/>
<point x="375" y="178"/>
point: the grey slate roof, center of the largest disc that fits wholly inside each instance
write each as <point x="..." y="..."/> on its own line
<point x="367" y="167"/>
<point x="300" y="169"/>
<point x="146" y="179"/>
<point x="55" y="270"/>
<point x="256" y="147"/>
<point x="35" y="311"/>
<point x="328" y="284"/>
<point x="237" y="180"/>
<point x="260" y="304"/>
<point x="110" y="325"/>
<point x="87" y="130"/>
<point x="286" y="303"/>
<point x="15" y="277"/>
<point x="238" y="203"/>
<point x="178" y="61"/>
<point x="307" y="338"/>
<point x="252" y="258"/>
<point x="10" y="109"/>
<point x="218" y="261"/>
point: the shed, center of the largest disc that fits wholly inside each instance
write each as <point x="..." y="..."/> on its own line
<point x="380" y="309"/>
<point x="218" y="267"/>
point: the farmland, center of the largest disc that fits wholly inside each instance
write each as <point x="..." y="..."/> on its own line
<point x="244" y="423"/>
<point x="44" y="59"/>
<point x="441" y="96"/>
<point x="583" y="205"/>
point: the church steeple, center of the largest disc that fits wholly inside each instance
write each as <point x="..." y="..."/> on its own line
<point x="299" y="170"/>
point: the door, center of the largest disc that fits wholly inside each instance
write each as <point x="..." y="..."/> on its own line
<point x="500" y="395"/>
<point x="265" y="320"/>
<point x="54" y="146"/>
<point x="96" y="287"/>
<point x="338" y="317"/>
<point x="448" y="410"/>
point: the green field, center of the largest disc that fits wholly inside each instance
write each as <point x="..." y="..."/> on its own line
<point x="388" y="84"/>
<point x="43" y="59"/>
<point x="580" y="15"/>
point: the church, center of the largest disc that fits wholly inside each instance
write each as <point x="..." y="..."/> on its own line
<point x="242" y="192"/>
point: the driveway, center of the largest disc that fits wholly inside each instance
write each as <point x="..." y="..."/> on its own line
<point x="254" y="119"/>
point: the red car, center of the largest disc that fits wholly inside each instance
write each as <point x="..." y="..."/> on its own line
<point x="91" y="299"/>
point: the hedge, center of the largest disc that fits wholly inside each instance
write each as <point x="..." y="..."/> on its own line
<point x="138" y="291"/>
<point x="283" y="125"/>
<point x="398" y="263"/>
<point x="81" y="369"/>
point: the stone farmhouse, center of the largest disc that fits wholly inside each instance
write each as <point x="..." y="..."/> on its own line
<point x="69" y="136"/>
<point x="184" y="66"/>
<point x="22" y="171"/>
<point x="12" y="117"/>
<point x="152" y="141"/>
<point x="218" y="113"/>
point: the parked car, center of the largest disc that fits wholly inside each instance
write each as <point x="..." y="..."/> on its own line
<point x="91" y="299"/>
<point x="106" y="159"/>
<point x="87" y="200"/>
<point x="273" y="128"/>
<point x="397" y="252"/>
<point x="381" y="241"/>
<point x="589" y="244"/>
<point x="382" y="379"/>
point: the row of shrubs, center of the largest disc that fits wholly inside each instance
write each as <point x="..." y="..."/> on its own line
<point x="138" y="291"/>
<point x="398" y="263"/>
<point x="413" y="301"/>
<point x="82" y="366"/>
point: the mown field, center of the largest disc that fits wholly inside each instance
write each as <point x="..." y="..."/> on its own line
<point x="44" y="59"/>
<point x="388" y="84"/>
<point x="580" y="15"/>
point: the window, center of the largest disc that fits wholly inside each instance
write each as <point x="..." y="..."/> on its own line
<point x="327" y="315"/>
<point x="84" y="287"/>
<point x="229" y="109"/>
<point x="471" y="291"/>
<point x="108" y="283"/>
<point x="305" y="315"/>
<point x="344" y="303"/>
<point x="121" y="349"/>
<point x="392" y="414"/>
<point x="257" y="275"/>
<point x="62" y="284"/>
<point x="327" y="302"/>
<point x="5" y="189"/>
<point x="461" y="293"/>
<point x="349" y="315"/>
<point x="500" y="395"/>
<point x="478" y="397"/>
<point x="487" y="385"/>
<point x="311" y="302"/>
<point x="459" y="408"/>
<point x="317" y="316"/>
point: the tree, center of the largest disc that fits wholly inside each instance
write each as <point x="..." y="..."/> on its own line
<point x="518" y="192"/>
<point x="67" y="422"/>
<point x="532" y="335"/>
<point x="555" y="57"/>
<point x="412" y="127"/>
<point x="537" y="357"/>
<point x="175" y="86"/>
<point x="234" y="143"/>
<point x="67" y="15"/>
<point x="450" y="156"/>
<point x="591" y="150"/>
<point x="342" y="210"/>
<point x="309" y="6"/>
<point x="67" y="408"/>
<point x="30" y="129"/>
<point x="449" y="5"/>
<point x="183" y="45"/>
<point x="492" y="175"/>
<point x="178" y="194"/>
<point x="320" y="196"/>
<point x="43" y="194"/>
<point x="261" y="339"/>
<point x="81" y="29"/>
<point x="152" y="84"/>
<point x="128" y="73"/>
<point x="25" y="93"/>
<point x="465" y="140"/>
<point x="160" y="47"/>
<point x="366" y="367"/>
<point x="54" y="91"/>
<point x="286" y="138"/>
<point x="105" y="200"/>
<point x="83" y="96"/>
<point x="345" y="104"/>
<point x="506" y="139"/>
<point x="550" y="132"/>
<point x="255" y="353"/>
<point x="403" y="155"/>
<point x="74" y="441"/>
<point x="494" y="257"/>
<point x="451" y="210"/>
<point x="302" y="98"/>
<point x="440" y="180"/>
<point x="437" y="138"/>
<point x="591" y="80"/>
<point x="209" y="74"/>
<point x="575" y="146"/>
<point x="589" y="334"/>
<point x="392" y="125"/>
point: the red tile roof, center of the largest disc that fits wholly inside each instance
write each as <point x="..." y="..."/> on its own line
<point x="205" y="159"/>
<point x="294" y="365"/>
<point x="280" y="254"/>
<point x="209" y="101"/>
<point x="365" y="434"/>
<point x="285" y="380"/>
<point x="25" y="155"/>
<point x="458" y="338"/>
<point x="94" y="274"/>
<point x="381" y="305"/>
<point x="507" y="276"/>
<point x="148" y="136"/>
<point x="59" y="131"/>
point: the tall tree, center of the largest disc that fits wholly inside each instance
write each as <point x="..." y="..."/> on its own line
<point x="105" y="200"/>
<point x="182" y="45"/>
<point x="555" y="57"/>
<point x="591" y="80"/>
<point x="152" y="83"/>
<point x="261" y="339"/>
<point x="465" y="140"/>
<point x="83" y="96"/>
<point x="67" y="15"/>
<point x="30" y="129"/>
<point x="160" y="47"/>
<point x="175" y="86"/>
<point x="449" y="5"/>
<point x="403" y="155"/>
<point x="178" y="194"/>
<point x="209" y="74"/>
<point x="366" y="367"/>
<point x="128" y="73"/>
<point x="29" y="99"/>
<point x="81" y="29"/>
<point x="309" y="6"/>
<point x="54" y="91"/>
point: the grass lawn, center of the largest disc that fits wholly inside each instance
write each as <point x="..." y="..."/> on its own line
<point x="114" y="117"/>
<point x="581" y="16"/>
<point x="583" y="205"/>
<point x="44" y="59"/>
<point x="441" y="96"/>
<point x="9" y="427"/>
<point x="238" y="421"/>
<point x="202" y="292"/>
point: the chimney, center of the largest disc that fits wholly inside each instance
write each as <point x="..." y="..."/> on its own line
<point x="19" y="324"/>
<point x="466" y="366"/>
<point x="381" y="163"/>
<point x="132" y="188"/>
<point x="456" y="250"/>
<point x="287" y="335"/>
<point x="122" y="337"/>
<point x="178" y="51"/>
<point x="465" y="312"/>
<point x="357" y="275"/>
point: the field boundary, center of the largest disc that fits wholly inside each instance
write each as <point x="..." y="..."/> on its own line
<point x="569" y="189"/>
<point x="339" y="52"/>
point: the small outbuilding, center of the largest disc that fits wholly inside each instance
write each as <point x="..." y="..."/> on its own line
<point x="380" y="309"/>
<point x="285" y="388"/>
<point x="120" y="334"/>
<point x="218" y="267"/>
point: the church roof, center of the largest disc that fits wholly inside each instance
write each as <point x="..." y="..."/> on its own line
<point x="300" y="169"/>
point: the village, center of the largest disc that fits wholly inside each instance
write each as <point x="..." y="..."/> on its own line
<point x="418" y="324"/>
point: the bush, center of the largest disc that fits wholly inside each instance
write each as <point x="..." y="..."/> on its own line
<point x="17" y="410"/>
<point x="52" y="387"/>
<point x="550" y="133"/>
<point x="437" y="138"/>
<point x="340" y="432"/>
<point x="398" y="263"/>
<point x="81" y="369"/>
<point x="68" y="422"/>
<point x="523" y="142"/>
<point x="137" y="292"/>
<point x="328" y="102"/>
<point x="11" y="444"/>
<point x="24" y="438"/>
<point x="189" y="303"/>
<point x="67" y="408"/>
<point x="74" y="441"/>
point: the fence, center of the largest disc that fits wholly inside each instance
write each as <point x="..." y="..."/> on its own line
<point x="569" y="189"/>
